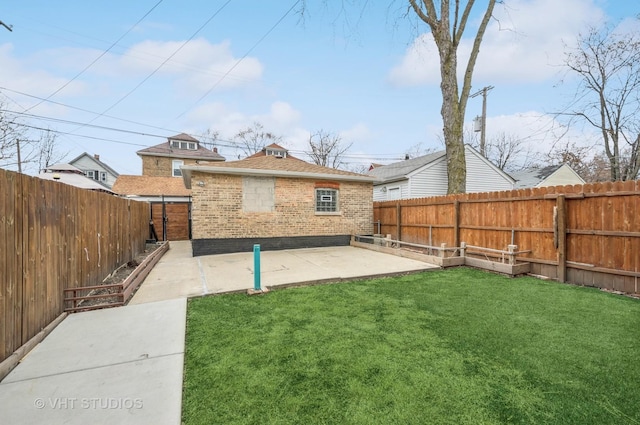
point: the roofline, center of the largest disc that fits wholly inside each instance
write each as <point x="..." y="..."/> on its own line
<point x="558" y="169"/>
<point x="166" y="155"/>
<point x="490" y="164"/>
<point x="393" y="180"/>
<point x="107" y="167"/>
<point x="187" y="169"/>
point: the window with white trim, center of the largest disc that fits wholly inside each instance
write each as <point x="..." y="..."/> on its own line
<point x="326" y="200"/>
<point x="175" y="166"/>
<point x="178" y="144"/>
<point x="103" y="176"/>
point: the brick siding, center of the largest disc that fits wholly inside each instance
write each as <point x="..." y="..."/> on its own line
<point x="217" y="211"/>
<point x="158" y="166"/>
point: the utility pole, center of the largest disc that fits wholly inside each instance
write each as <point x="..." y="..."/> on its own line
<point x="19" y="157"/>
<point x="483" y="128"/>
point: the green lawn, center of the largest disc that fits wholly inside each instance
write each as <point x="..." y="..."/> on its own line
<point x="459" y="346"/>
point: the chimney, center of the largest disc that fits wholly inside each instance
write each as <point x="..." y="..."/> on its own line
<point x="406" y="156"/>
<point x="215" y="149"/>
<point x="96" y="156"/>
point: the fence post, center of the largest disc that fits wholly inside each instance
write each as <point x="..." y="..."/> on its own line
<point x="398" y="221"/>
<point x="512" y="256"/>
<point x="561" y="204"/>
<point x="443" y="252"/>
<point x="463" y="248"/>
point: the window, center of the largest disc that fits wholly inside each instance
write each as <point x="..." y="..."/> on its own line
<point x="91" y="174"/>
<point x="175" y="165"/>
<point x="103" y="176"/>
<point x="326" y="200"/>
<point x="276" y="152"/>
<point x="178" y="144"/>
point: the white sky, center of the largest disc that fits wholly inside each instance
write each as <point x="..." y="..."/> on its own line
<point x="372" y="78"/>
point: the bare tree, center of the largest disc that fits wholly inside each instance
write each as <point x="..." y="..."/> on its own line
<point x="327" y="149"/>
<point x="26" y="151"/>
<point x="507" y="152"/>
<point x="447" y="34"/>
<point x="419" y="149"/>
<point x="46" y="151"/>
<point x="608" y="96"/>
<point x="448" y="23"/>
<point x="11" y="133"/>
<point x="592" y="168"/>
<point x="209" y="138"/>
<point x="254" y="138"/>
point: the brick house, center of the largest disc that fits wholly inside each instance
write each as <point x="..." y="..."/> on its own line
<point x="277" y="201"/>
<point x="165" y="159"/>
<point x="161" y="185"/>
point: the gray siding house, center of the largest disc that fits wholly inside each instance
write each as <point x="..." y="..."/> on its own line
<point x="95" y="169"/>
<point x="426" y="176"/>
<point x="553" y="175"/>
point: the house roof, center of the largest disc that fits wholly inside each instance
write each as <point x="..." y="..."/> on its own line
<point x="68" y="175"/>
<point x="97" y="161"/>
<point x="184" y="137"/>
<point x="532" y="177"/>
<point x="150" y="186"/>
<point x="274" y="166"/>
<point x="165" y="150"/>
<point x="401" y="170"/>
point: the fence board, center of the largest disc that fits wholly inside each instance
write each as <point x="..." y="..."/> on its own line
<point x="602" y="227"/>
<point x="45" y="227"/>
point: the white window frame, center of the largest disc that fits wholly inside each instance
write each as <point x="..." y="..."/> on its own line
<point x="327" y="200"/>
<point x="175" y="167"/>
<point x="91" y="174"/>
<point x="103" y="176"/>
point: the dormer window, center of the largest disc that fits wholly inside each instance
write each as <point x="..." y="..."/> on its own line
<point x="181" y="144"/>
<point x="280" y="153"/>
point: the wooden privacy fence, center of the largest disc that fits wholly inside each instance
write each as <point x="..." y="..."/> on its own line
<point x="54" y="236"/>
<point x="584" y="234"/>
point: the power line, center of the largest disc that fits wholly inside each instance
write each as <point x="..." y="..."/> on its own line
<point x="98" y="58"/>
<point x="241" y="59"/>
<point x="163" y="63"/>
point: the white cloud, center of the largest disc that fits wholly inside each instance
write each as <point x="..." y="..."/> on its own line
<point x="524" y="42"/>
<point x="198" y="66"/>
<point x="22" y="76"/>
<point x="356" y="134"/>
<point x="542" y="132"/>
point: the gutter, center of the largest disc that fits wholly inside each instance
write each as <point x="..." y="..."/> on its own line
<point x="188" y="169"/>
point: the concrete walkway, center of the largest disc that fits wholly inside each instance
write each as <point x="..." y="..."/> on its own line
<point x="113" y="366"/>
<point x="124" y="365"/>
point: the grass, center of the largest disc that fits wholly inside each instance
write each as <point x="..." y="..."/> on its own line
<point x="459" y="346"/>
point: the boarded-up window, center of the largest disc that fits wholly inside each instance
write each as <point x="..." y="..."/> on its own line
<point x="258" y="194"/>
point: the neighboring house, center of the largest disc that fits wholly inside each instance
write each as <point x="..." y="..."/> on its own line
<point x="277" y="201"/>
<point x="68" y="174"/>
<point x="553" y="175"/>
<point x="169" y="199"/>
<point x="426" y="176"/>
<point x="95" y="169"/>
<point x="165" y="159"/>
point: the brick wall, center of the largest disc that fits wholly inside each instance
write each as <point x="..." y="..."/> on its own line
<point x="158" y="166"/>
<point x="217" y="210"/>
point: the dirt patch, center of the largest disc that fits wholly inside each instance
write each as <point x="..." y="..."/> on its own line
<point x="118" y="276"/>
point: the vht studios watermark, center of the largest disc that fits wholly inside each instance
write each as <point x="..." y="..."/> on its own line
<point x="96" y="403"/>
